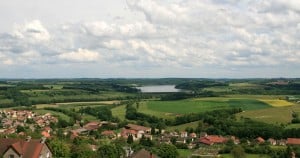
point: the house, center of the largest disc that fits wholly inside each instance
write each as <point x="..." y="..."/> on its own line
<point x="212" y="139"/>
<point x="30" y="148"/>
<point x="143" y="154"/>
<point x="272" y="141"/>
<point x="127" y="132"/>
<point x="139" y="128"/>
<point x="109" y="134"/>
<point x="183" y="134"/>
<point x="235" y="140"/>
<point x="281" y="142"/>
<point x="293" y="141"/>
<point x="181" y="140"/>
<point x="45" y="134"/>
<point x="135" y="130"/>
<point x="92" y="126"/>
<point x="260" y="140"/>
<point x="193" y="135"/>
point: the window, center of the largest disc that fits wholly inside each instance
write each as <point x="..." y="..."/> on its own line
<point x="48" y="154"/>
<point x="11" y="156"/>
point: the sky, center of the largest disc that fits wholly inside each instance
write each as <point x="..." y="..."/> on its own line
<point x="149" y="38"/>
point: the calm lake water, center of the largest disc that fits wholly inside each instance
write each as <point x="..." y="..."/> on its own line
<point x="159" y="89"/>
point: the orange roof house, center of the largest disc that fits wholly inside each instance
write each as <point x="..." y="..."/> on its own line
<point x="293" y="141"/>
<point x="212" y="139"/>
<point x="260" y="140"/>
<point x="138" y="128"/>
<point x="24" y="148"/>
<point x="45" y="134"/>
<point x="108" y="133"/>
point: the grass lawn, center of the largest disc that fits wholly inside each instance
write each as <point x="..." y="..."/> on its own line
<point x="76" y="105"/>
<point x="119" y="112"/>
<point x="297" y="125"/>
<point x="247" y="156"/>
<point x="201" y="105"/>
<point x="184" y="153"/>
<point x="183" y="126"/>
<point x="272" y="115"/>
<point x="89" y="117"/>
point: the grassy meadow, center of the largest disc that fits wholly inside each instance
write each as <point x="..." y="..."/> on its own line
<point x="201" y="105"/>
<point x="277" y="114"/>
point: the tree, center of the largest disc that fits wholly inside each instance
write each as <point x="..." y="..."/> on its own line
<point x="20" y="129"/>
<point x="59" y="148"/>
<point x="130" y="139"/>
<point x="105" y="113"/>
<point x="167" y="151"/>
<point x="82" y="151"/>
<point x="152" y="130"/>
<point x="110" y="151"/>
<point x="238" y="152"/>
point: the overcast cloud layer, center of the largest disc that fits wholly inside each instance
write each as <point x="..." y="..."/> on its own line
<point x="149" y="38"/>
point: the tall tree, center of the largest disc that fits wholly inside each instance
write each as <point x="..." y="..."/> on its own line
<point x="59" y="148"/>
<point x="130" y="139"/>
<point x="167" y="151"/>
<point x="238" y="152"/>
<point x="110" y="151"/>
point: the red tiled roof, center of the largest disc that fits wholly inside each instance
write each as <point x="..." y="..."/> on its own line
<point x="126" y="132"/>
<point x="108" y="133"/>
<point x="45" y="134"/>
<point x="260" y="139"/>
<point x="216" y="139"/>
<point x="293" y="141"/>
<point x="47" y="128"/>
<point x="206" y="141"/>
<point x="212" y="139"/>
<point x="137" y="127"/>
<point x="28" y="149"/>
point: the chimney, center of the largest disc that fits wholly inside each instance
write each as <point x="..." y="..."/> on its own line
<point x="43" y="140"/>
<point x="28" y="138"/>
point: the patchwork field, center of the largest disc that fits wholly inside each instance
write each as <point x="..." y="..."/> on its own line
<point x="272" y="115"/>
<point x="183" y="126"/>
<point x="119" y="112"/>
<point x="277" y="102"/>
<point x="247" y="155"/>
<point x="76" y="105"/>
<point x="207" y="104"/>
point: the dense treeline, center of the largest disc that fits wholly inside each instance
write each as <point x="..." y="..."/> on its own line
<point x="196" y="85"/>
<point x="18" y="98"/>
<point x="102" y="112"/>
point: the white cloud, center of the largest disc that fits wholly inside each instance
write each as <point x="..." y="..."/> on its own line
<point x="114" y="44"/>
<point x="33" y="31"/>
<point x="81" y="55"/>
<point x="180" y="34"/>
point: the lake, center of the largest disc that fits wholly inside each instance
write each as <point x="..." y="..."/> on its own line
<point x="159" y="89"/>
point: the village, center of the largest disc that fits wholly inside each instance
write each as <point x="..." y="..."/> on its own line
<point x="19" y="126"/>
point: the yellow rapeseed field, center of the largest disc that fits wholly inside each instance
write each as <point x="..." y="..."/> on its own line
<point x="277" y="102"/>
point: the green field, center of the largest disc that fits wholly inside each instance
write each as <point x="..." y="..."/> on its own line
<point x="197" y="106"/>
<point x="76" y="105"/>
<point x="119" y="112"/>
<point x="184" y="153"/>
<point x="272" y="115"/>
<point x="247" y="156"/>
<point x="183" y="126"/>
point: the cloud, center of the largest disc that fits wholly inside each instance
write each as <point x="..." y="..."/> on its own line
<point x="33" y="31"/>
<point x="81" y="56"/>
<point x="218" y="36"/>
